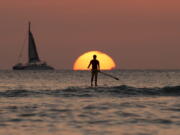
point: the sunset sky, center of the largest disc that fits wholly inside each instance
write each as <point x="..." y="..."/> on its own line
<point x="137" y="34"/>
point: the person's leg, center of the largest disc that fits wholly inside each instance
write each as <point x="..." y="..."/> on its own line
<point x="92" y="78"/>
<point x="96" y="75"/>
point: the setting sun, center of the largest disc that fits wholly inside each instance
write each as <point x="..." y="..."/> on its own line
<point x="106" y="62"/>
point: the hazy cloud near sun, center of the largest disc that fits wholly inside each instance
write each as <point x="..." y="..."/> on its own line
<point x="136" y="33"/>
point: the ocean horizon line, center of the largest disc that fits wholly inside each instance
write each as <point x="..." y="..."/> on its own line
<point x="148" y="69"/>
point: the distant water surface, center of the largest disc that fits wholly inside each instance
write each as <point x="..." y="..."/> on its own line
<point x="142" y="102"/>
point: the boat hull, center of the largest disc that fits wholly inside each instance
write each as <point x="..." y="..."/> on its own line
<point x="32" y="67"/>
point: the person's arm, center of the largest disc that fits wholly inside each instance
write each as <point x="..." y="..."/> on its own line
<point x="89" y="64"/>
<point x="98" y="66"/>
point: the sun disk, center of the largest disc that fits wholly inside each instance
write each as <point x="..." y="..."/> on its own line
<point x="106" y="62"/>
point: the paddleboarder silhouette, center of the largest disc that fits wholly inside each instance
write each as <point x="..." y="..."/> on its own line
<point x="95" y="69"/>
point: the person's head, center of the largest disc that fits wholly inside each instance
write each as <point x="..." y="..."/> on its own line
<point x="94" y="56"/>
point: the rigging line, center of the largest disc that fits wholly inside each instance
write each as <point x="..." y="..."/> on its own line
<point x="22" y="48"/>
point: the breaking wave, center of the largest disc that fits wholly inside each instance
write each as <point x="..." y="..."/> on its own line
<point x="120" y="91"/>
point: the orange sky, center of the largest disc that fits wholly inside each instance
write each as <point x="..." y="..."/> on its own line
<point x="138" y="34"/>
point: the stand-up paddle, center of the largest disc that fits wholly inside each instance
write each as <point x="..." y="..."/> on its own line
<point x="109" y="75"/>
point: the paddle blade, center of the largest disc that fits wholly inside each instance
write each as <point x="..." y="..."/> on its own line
<point x="116" y="78"/>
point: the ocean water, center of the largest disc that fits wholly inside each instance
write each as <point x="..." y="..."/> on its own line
<point x="141" y="102"/>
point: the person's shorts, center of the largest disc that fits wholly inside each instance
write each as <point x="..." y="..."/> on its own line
<point x="94" y="71"/>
